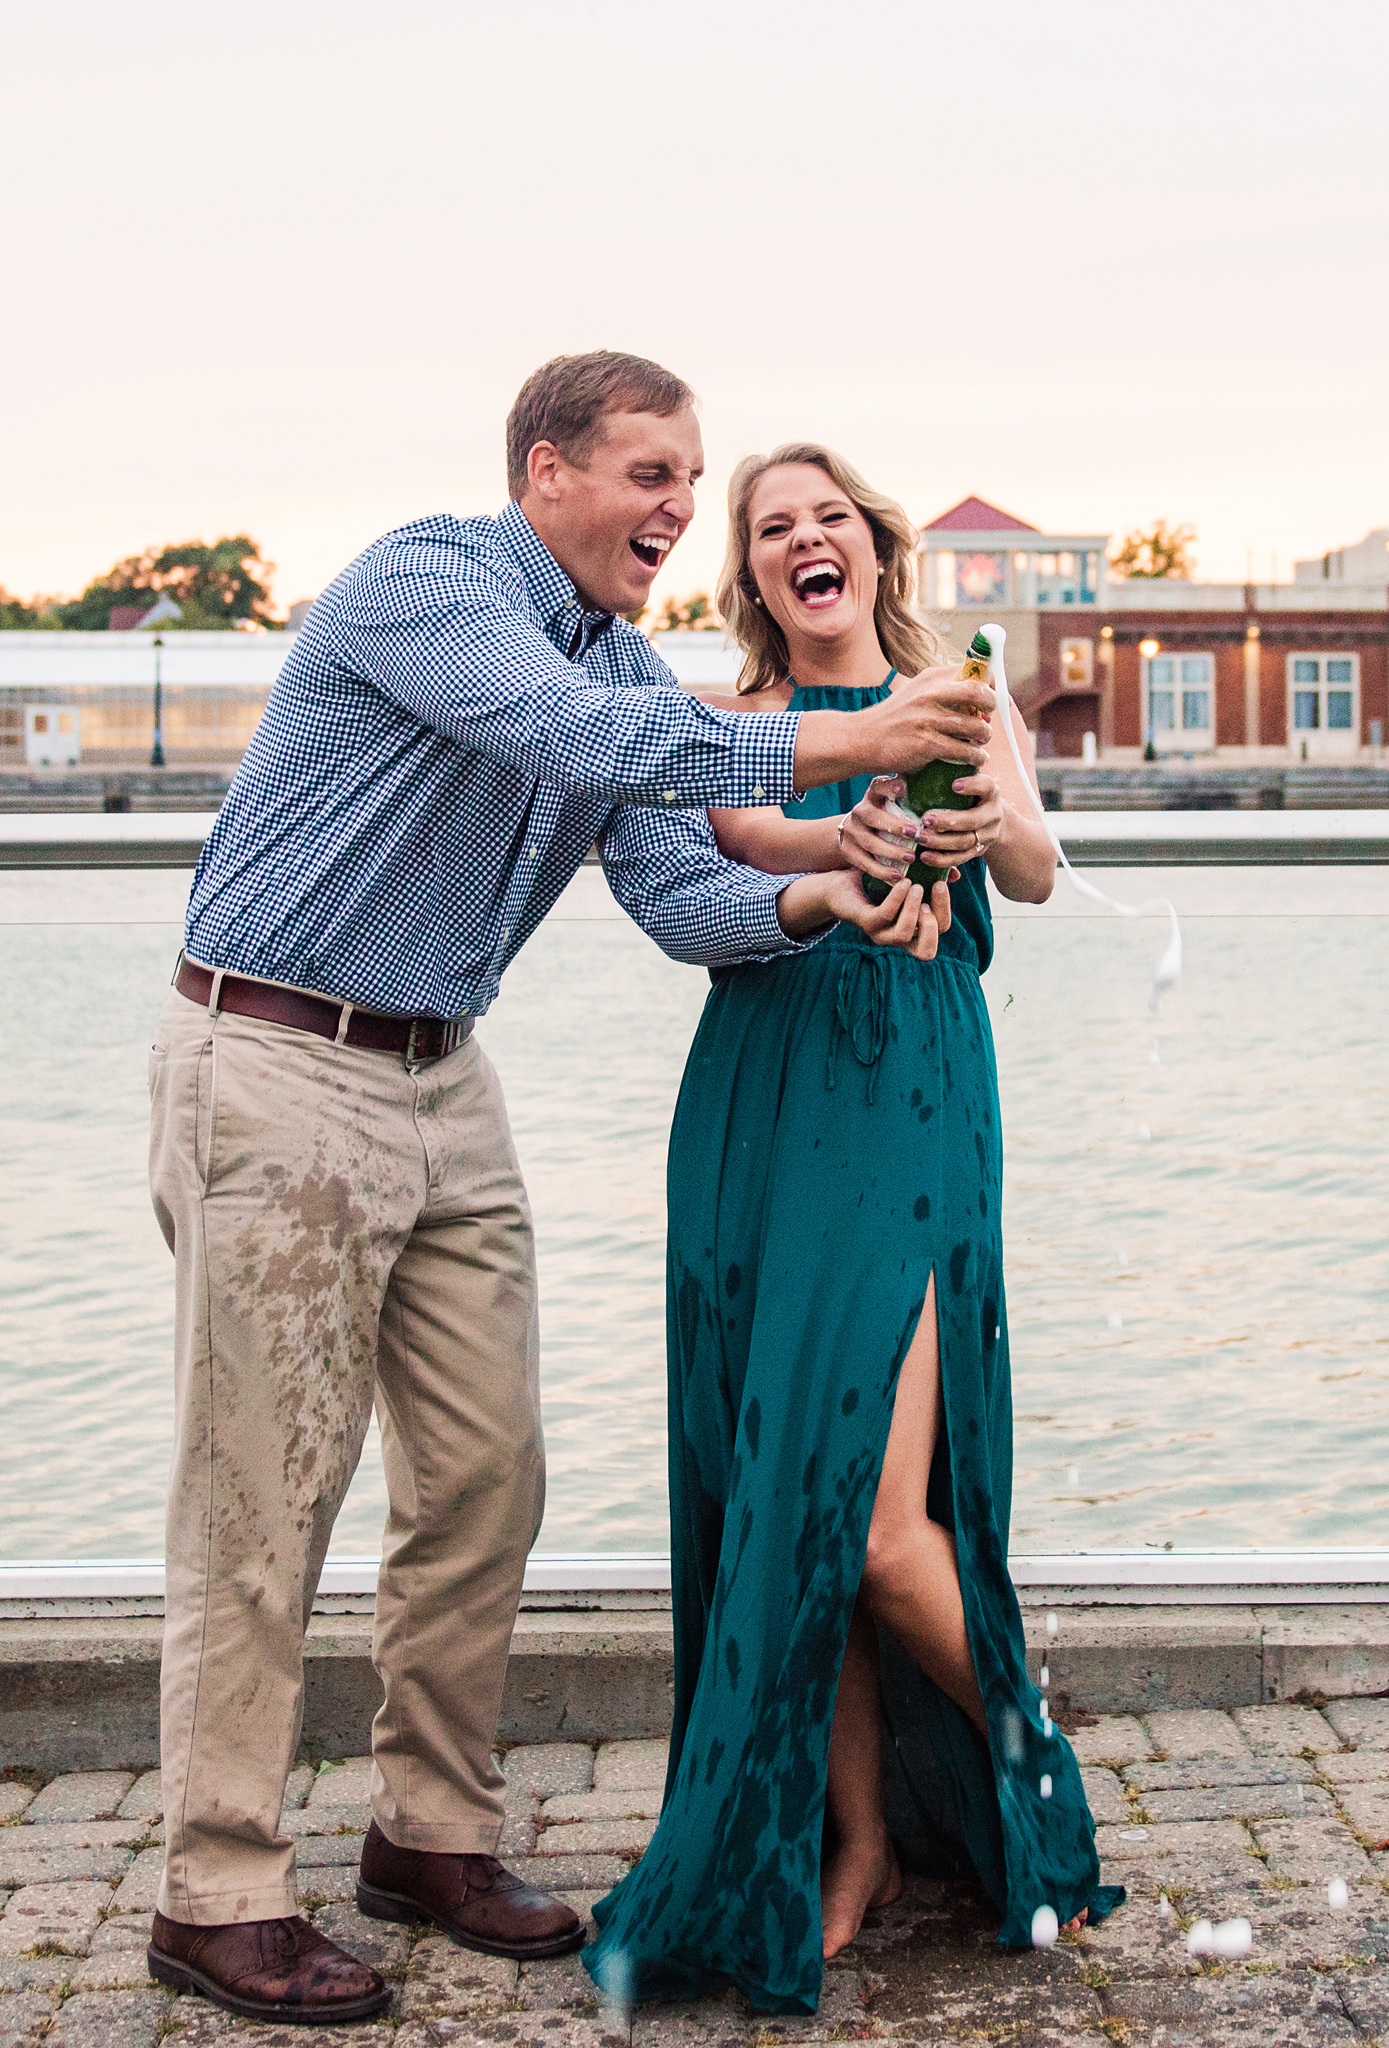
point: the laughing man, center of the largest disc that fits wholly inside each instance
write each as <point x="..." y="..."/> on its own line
<point x="464" y="714"/>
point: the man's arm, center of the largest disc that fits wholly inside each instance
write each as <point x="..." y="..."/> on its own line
<point x="440" y="627"/>
<point x="669" y="876"/>
<point x="442" y="631"/>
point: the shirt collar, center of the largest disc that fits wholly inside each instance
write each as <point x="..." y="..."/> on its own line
<point x="554" y="595"/>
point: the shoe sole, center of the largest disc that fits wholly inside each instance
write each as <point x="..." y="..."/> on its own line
<point x="183" y="1977"/>
<point x="379" y="1905"/>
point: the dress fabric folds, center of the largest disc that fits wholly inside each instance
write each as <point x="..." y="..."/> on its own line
<point x="836" y="1141"/>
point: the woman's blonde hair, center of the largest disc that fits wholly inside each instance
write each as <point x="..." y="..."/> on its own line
<point x="908" y="643"/>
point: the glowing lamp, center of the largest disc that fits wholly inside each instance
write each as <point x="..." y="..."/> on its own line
<point x="1148" y="648"/>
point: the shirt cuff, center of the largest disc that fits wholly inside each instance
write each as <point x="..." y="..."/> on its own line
<point x="765" y="938"/>
<point x="765" y="761"/>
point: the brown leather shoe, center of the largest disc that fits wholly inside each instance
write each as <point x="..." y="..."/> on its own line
<point x="270" y="1969"/>
<point x="475" y="1900"/>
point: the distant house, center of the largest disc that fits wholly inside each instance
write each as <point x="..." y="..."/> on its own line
<point x="1286" y="671"/>
<point x="131" y="618"/>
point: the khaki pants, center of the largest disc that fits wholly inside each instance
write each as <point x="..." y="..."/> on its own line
<point x="345" y="1229"/>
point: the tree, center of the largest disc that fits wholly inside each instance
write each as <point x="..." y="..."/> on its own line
<point x="16" y="617"/>
<point x="218" y="587"/>
<point x="1165" y="551"/>
<point x="689" y="615"/>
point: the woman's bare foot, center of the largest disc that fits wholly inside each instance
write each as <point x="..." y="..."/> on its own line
<point x="857" y="1876"/>
<point x="1074" y="1926"/>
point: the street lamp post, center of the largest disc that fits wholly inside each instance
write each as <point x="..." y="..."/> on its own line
<point x="157" y="750"/>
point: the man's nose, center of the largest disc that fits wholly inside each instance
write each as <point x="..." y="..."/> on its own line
<point x="679" y="502"/>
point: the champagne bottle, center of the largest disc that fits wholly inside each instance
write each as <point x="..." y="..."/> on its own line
<point x="932" y="788"/>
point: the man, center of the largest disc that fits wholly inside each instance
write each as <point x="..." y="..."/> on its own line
<point x="333" y="1171"/>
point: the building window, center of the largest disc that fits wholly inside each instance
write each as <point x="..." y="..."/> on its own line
<point x="1323" y="706"/>
<point x="1077" y="664"/>
<point x="1179" y="693"/>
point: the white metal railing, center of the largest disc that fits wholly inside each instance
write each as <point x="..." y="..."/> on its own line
<point x="1141" y="1571"/>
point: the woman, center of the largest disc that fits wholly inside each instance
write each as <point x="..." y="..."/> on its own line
<point x="840" y="1417"/>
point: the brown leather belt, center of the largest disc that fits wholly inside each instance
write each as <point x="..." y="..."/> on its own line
<point x="418" y="1038"/>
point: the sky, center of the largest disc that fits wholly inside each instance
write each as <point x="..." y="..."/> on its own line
<point x="281" y="269"/>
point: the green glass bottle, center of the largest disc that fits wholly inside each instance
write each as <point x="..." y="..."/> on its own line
<point x="932" y="788"/>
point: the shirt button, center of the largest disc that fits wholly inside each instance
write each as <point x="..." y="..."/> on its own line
<point x="506" y="931"/>
<point x="758" y="790"/>
<point x="670" y="795"/>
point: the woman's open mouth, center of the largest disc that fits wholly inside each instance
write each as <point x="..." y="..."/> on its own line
<point x="818" y="584"/>
<point x="651" y="549"/>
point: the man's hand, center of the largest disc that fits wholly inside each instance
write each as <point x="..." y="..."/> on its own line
<point x="934" y="717"/>
<point x="904" y="919"/>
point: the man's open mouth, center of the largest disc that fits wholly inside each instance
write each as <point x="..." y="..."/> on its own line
<point x="817" y="584"/>
<point x="651" y="549"/>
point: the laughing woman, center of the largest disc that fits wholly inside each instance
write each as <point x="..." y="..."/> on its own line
<point x="840" y="1414"/>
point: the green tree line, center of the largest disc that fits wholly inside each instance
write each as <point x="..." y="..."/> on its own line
<point x="217" y="587"/>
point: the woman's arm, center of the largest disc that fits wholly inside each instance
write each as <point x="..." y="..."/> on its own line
<point x="778" y="845"/>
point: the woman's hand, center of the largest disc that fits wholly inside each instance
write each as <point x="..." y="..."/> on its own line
<point x="875" y="837"/>
<point x="963" y="835"/>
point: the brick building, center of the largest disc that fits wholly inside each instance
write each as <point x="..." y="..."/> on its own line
<point x="1285" y="671"/>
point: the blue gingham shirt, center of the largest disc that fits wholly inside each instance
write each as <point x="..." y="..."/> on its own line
<point x="450" y="735"/>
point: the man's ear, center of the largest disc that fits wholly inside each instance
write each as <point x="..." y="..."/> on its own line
<point x="543" y="465"/>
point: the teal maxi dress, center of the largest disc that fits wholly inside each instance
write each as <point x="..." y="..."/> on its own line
<point x="836" y="1140"/>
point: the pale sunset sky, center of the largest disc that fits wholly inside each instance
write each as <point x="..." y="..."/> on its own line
<point x="281" y="269"/>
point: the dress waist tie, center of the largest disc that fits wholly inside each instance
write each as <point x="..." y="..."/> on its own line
<point x="860" y="1013"/>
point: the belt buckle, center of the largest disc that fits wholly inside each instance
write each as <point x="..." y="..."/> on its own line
<point x="411" y="1056"/>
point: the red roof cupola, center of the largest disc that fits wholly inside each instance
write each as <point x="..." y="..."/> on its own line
<point x="972" y="515"/>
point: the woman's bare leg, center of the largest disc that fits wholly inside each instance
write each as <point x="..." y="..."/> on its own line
<point x="911" y="1578"/>
<point x="860" y="1870"/>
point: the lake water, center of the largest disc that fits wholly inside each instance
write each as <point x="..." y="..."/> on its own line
<point x="1199" y="1317"/>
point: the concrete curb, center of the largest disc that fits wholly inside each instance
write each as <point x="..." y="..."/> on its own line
<point x="82" y="1693"/>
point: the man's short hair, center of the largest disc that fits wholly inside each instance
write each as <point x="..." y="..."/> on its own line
<point x="567" y="400"/>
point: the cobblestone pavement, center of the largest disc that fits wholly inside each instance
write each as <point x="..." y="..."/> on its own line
<point x="1263" y="1815"/>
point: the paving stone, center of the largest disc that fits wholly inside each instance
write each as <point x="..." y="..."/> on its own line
<point x="14" y="1799"/>
<point x="1115" y="1739"/>
<point x="571" y="1873"/>
<point x="841" y="2016"/>
<point x="583" y="1903"/>
<point x="560" y="1985"/>
<point x="954" y="1992"/>
<point x="64" y="1914"/>
<point x="1245" y="2012"/>
<point x="81" y="1795"/>
<point x="113" y="1969"/>
<point x="622" y="1766"/>
<point x="1361" y="1767"/>
<point x="384" y="1944"/>
<point x="25" y="1866"/>
<point x="21" y="2014"/>
<point x="19" y="1973"/>
<point x="1367" y="1809"/>
<point x="440" y="1977"/>
<point x="123" y="1930"/>
<point x="111" y="2019"/>
<point x="1135" y="1941"/>
<point x="1365" y="1996"/>
<point x="1363" y="1722"/>
<point x="1239" y="1802"/>
<point x="139" y="1888"/>
<point x="1105" y="1793"/>
<point x="201" y="2025"/>
<point x="144" y="1800"/>
<point x="1179" y="1853"/>
<point x="1285" y="1730"/>
<point x="1196" y="1731"/>
<point x="342" y="1784"/>
<point x="327" y="1884"/>
<point x="622" y="1803"/>
<point x="1312" y="1852"/>
<point x="316" y="1852"/>
<point x="1190" y="1773"/>
<point x="1295" y="1929"/>
<point x="596" y="1837"/>
<point x="87" y="1834"/>
<point x="324" y="1820"/>
<point x="545" y="1768"/>
<point x="518" y="1830"/>
<point x="706" y="2023"/>
<point x="298" y="1785"/>
<point x="511" y="2029"/>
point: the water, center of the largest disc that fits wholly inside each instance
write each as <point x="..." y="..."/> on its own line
<point x="1198" y="1317"/>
